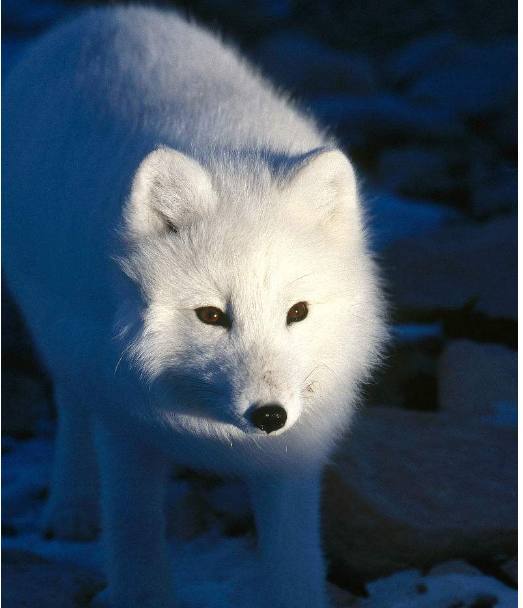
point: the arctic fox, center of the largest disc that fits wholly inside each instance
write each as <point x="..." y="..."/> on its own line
<point x="189" y="252"/>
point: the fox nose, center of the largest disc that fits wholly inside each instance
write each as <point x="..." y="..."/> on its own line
<point x="269" y="417"/>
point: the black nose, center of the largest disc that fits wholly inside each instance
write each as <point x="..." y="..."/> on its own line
<point x="269" y="417"/>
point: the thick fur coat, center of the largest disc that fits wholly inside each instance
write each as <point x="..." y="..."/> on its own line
<point x="151" y="172"/>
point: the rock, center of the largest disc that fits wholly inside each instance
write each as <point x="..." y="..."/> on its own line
<point x="454" y="567"/>
<point x="305" y="65"/>
<point x="393" y="217"/>
<point x="479" y="80"/>
<point x="421" y="56"/>
<point x="377" y="26"/>
<point x="474" y="380"/>
<point x="494" y="189"/>
<point x="409" y="589"/>
<point x="261" y="13"/>
<point x="29" y="581"/>
<point x="463" y="265"/>
<point x="378" y="117"/>
<point x="419" y="171"/>
<point x="408" y="379"/>
<point x="411" y="489"/>
<point x="501" y="127"/>
<point x="408" y="333"/>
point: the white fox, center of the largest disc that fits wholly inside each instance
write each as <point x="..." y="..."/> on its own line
<point x="189" y="252"/>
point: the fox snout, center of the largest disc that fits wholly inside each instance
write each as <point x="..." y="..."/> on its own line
<point x="268" y="417"/>
<point x="268" y="401"/>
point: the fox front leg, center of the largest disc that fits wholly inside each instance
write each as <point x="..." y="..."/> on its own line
<point x="133" y="484"/>
<point x="287" y="513"/>
<point x="72" y="511"/>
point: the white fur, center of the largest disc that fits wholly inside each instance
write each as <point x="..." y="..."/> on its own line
<point x="149" y="172"/>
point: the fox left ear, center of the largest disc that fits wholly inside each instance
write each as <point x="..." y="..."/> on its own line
<point x="323" y="188"/>
<point x="170" y="190"/>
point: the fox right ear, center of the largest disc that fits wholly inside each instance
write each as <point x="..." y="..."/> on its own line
<point x="323" y="190"/>
<point x="169" y="191"/>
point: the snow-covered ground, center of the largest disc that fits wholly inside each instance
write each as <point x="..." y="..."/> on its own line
<point x="212" y="570"/>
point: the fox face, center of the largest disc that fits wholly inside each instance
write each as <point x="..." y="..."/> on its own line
<point x="258" y="301"/>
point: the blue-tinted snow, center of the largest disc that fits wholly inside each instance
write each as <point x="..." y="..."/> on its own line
<point x="211" y="570"/>
<point x="392" y="217"/>
<point x="504" y="415"/>
<point x="409" y="589"/>
<point x="414" y="332"/>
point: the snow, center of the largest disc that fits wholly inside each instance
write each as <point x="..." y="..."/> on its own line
<point x="409" y="589"/>
<point x="393" y="217"/>
<point x="504" y="415"/>
<point x="414" y="332"/>
<point x="211" y="570"/>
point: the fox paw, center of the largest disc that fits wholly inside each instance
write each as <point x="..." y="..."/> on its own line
<point x="71" y="520"/>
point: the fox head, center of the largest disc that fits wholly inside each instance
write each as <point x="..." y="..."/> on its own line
<point x="259" y="305"/>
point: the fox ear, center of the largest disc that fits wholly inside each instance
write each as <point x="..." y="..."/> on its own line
<point x="169" y="191"/>
<point x="323" y="188"/>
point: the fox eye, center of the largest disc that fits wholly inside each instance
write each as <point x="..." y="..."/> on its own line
<point x="211" y="315"/>
<point x="297" y="312"/>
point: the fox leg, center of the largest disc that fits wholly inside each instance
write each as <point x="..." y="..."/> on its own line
<point x="72" y="510"/>
<point x="133" y="487"/>
<point x="287" y="513"/>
